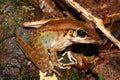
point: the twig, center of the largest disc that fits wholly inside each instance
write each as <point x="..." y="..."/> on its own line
<point x="97" y="21"/>
<point x="113" y="15"/>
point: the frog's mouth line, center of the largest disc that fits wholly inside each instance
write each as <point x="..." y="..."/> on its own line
<point x="84" y="41"/>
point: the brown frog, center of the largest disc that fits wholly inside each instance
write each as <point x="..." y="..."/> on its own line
<point x="55" y="35"/>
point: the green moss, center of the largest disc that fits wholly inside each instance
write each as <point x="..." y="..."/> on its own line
<point x="14" y="16"/>
<point x="74" y="74"/>
<point x="101" y="78"/>
<point x="74" y="77"/>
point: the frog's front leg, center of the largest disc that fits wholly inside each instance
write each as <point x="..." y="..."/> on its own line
<point x="61" y="45"/>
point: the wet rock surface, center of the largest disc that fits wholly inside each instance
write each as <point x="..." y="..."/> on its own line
<point x="110" y="66"/>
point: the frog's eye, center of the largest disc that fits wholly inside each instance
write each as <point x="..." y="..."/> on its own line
<point x="81" y="33"/>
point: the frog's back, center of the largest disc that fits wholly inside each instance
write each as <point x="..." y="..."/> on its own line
<point x="60" y="25"/>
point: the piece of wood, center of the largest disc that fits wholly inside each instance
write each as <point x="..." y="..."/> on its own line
<point x="97" y="21"/>
<point x="44" y="77"/>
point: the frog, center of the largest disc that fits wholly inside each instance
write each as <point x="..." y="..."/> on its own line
<point x="52" y="36"/>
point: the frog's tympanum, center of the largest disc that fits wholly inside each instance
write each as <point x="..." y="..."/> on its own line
<point x="54" y="36"/>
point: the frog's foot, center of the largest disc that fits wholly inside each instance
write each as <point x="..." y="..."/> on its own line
<point x="70" y="57"/>
<point x="64" y="66"/>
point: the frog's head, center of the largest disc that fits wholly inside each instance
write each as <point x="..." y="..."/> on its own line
<point x="84" y="35"/>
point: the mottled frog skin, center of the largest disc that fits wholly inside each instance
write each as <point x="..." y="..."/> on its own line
<point x="54" y="36"/>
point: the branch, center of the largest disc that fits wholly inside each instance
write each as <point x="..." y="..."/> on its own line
<point x="97" y="21"/>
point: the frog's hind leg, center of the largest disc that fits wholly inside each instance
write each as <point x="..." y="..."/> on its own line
<point x="41" y="50"/>
<point x="31" y="54"/>
<point x="24" y="47"/>
<point x="70" y="57"/>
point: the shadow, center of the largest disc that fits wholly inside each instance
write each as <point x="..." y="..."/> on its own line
<point x="85" y="49"/>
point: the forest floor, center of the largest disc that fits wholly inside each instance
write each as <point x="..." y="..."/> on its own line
<point x="15" y="66"/>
